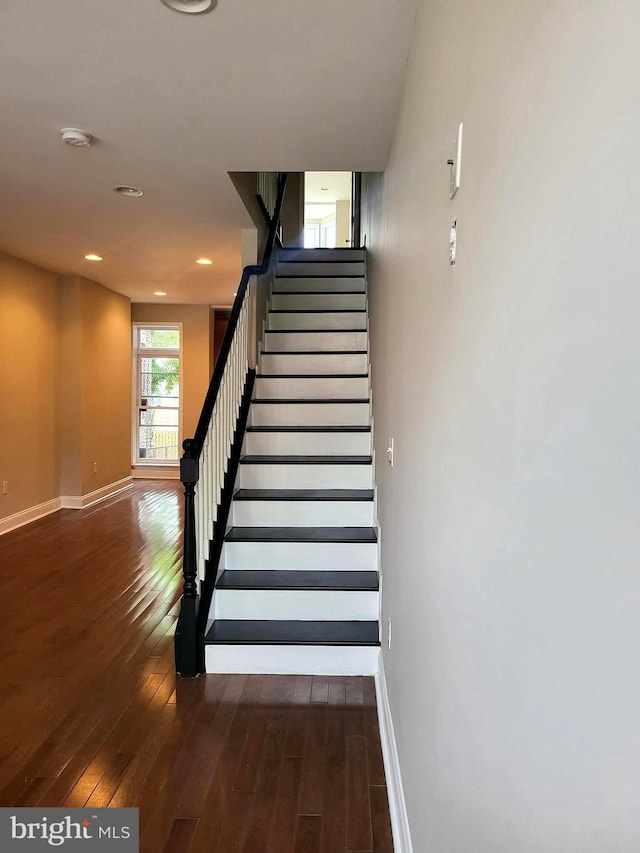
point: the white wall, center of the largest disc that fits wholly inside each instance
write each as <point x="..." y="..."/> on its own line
<point x="511" y="520"/>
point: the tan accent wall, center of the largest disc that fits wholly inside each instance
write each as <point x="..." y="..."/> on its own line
<point x="70" y="388"/>
<point x="106" y="386"/>
<point x="28" y="385"/>
<point x="95" y="386"/>
<point x="195" y="352"/>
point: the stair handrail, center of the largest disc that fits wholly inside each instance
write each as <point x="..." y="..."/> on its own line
<point x="189" y="638"/>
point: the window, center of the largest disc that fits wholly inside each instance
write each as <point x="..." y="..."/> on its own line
<point x="311" y="235"/>
<point x="156" y="422"/>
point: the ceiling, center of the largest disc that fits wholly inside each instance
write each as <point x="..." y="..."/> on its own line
<point x="175" y="102"/>
<point x="327" y="187"/>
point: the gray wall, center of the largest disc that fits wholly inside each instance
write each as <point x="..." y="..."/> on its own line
<point x="511" y="384"/>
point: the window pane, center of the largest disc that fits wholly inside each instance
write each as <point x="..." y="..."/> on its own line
<point x="159" y="417"/>
<point x="159" y="382"/>
<point x="158" y="338"/>
<point x="158" y="442"/>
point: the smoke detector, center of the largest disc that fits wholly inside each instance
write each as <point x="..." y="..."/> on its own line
<point x="75" y="137"/>
<point x="191" y="7"/>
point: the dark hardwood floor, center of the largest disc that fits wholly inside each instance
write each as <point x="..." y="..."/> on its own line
<point x="92" y="713"/>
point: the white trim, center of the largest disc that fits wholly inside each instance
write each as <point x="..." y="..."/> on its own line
<point x="26" y="516"/>
<point x="159" y="353"/>
<point x="101" y="494"/>
<point x="397" y="806"/>
<point x="155" y="472"/>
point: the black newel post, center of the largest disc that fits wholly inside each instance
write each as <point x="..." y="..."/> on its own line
<point x="187" y="646"/>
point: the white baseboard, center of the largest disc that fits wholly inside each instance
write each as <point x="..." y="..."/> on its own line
<point x="397" y="807"/>
<point x="26" y="516"/>
<point x="156" y="472"/>
<point x="84" y="501"/>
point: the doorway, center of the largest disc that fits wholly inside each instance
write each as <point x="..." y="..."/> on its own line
<point x="327" y="210"/>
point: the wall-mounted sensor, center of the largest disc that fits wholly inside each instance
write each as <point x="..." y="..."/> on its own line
<point x="454" y="165"/>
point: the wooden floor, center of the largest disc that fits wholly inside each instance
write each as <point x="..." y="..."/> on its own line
<point x="92" y="713"/>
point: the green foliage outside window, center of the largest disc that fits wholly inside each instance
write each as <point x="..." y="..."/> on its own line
<point x="167" y="371"/>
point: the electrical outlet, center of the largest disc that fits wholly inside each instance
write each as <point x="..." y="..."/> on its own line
<point x="95" y="467"/>
<point x="389" y="632"/>
<point x="5" y="487"/>
<point x="390" y="451"/>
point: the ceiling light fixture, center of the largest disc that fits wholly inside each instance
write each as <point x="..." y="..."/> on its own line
<point x="324" y="189"/>
<point x="191" y="7"/>
<point x="75" y="137"/>
<point x="205" y="262"/>
<point x="159" y="293"/>
<point x="92" y="257"/>
<point x="129" y="192"/>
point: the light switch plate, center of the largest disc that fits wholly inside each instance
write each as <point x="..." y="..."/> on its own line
<point x="455" y="165"/>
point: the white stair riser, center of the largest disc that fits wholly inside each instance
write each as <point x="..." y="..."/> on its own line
<point x="309" y="414"/>
<point x="306" y="476"/>
<point x="307" y="443"/>
<point x="330" y="556"/>
<point x="310" y="341"/>
<point x="292" y="660"/>
<point x="314" y="363"/>
<point x="302" y="513"/>
<point x="319" y="320"/>
<point x="319" y="388"/>
<point x="305" y="605"/>
<point x="321" y="301"/>
<point x="313" y="285"/>
<point x="331" y="268"/>
<point x="321" y="254"/>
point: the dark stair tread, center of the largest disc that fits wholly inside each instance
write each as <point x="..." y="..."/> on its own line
<point x="319" y="275"/>
<point x="297" y="579"/>
<point x="312" y="376"/>
<point x="315" y="352"/>
<point x="291" y="253"/>
<point x="298" y="400"/>
<point x="328" y="428"/>
<point x="302" y="534"/>
<point x="311" y="331"/>
<point x="289" y="632"/>
<point x="318" y="311"/>
<point x="303" y="495"/>
<point x="317" y="292"/>
<point x="305" y="460"/>
<point x="292" y="257"/>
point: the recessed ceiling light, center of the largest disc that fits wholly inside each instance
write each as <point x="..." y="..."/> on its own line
<point x="324" y="189"/>
<point x="159" y="293"/>
<point x="205" y="262"/>
<point x="130" y="192"/>
<point x="92" y="257"/>
<point x="191" y="7"/>
<point x="75" y="137"/>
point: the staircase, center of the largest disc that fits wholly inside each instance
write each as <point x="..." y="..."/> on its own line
<point x="297" y="590"/>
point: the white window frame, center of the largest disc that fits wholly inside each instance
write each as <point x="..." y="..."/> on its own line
<point x="157" y="353"/>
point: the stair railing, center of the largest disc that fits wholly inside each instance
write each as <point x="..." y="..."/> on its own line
<point x="206" y="468"/>
<point x="267" y="191"/>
